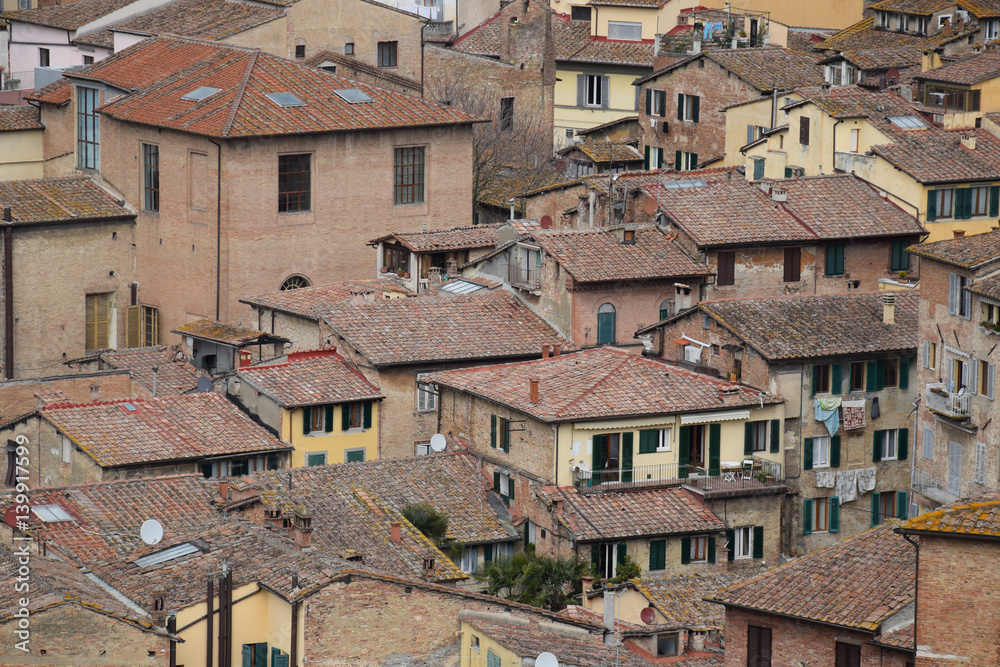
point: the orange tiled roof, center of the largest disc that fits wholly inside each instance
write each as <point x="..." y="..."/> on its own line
<point x="69" y="16"/>
<point x="174" y="375"/>
<point x="968" y="252"/>
<point x="302" y="301"/>
<point x="200" y="19"/>
<point x="311" y="378"/>
<point x="221" y="332"/>
<point x="60" y="200"/>
<point x="23" y="117"/>
<point x="973" y="69"/>
<point x="974" y="517"/>
<point x="938" y="156"/>
<point x="442" y="240"/>
<point x="681" y="598"/>
<point x="356" y="65"/>
<point x="916" y="7"/>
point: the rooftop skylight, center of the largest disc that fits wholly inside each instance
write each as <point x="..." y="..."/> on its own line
<point x="51" y="513"/>
<point x="686" y="184"/>
<point x="171" y="553"/>
<point x="285" y="100"/>
<point x="908" y="122"/>
<point x="198" y="94"/>
<point x="353" y="96"/>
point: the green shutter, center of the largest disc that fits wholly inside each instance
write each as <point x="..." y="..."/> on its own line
<point x="487" y="553"/>
<point x="306" y="420"/>
<point x="870" y="379"/>
<point x="963" y="203"/>
<point x="775" y="436"/>
<point x="368" y="414"/>
<point x="876" y="509"/>
<point x="680" y="106"/>
<point x="678" y="160"/>
<point x="505" y="434"/>
<point x="260" y="654"/>
<point x="711" y="550"/>
<point x="621" y="551"/>
<point x="685" y="550"/>
<point x="880" y="375"/>
<point x="902" y="444"/>
<point x="788" y="172"/>
<point x="758" y="541"/>
<point x="510" y="490"/>
<point x="645" y="163"/>
<point x="657" y="554"/>
<point x="747" y="438"/>
<point x="731" y="539"/>
<point x="280" y="661"/>
<point x="904" y="373"/>
<point x="695" y="108"/>
<point x="355" y="456"/>
<point x="597" y="460"/>
<point x="493" y="431"/>
<point x="648" y="441"/>
<point x="684" y="451"/>
<point x="714" y="449"/>
<point x="247" y="657"/>
<point x="662" y="94"/>
<point x="834" y="515"/>
<point x="649" y="102"/>
<point x="931" y="205"/>
<point x="345" y="416"/>
<point x="627" y="456"/>
<point x="815" y="381"/>
<point x="876" y="446"/>
<point x="835" y="451"/>
<point x="994" y="201"/>
<point x="496" y="482"/>
<point x="837" y="379"/>
<point x="328" y="422"/>
<point x="902" y="505"/>
<point x="807" y="454"/>
<point x="694" y="160"/>
<point x="807" y="516"/>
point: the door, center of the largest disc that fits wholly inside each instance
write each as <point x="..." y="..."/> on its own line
<point x="955" y="469"/>
<point x="698" y="445"/>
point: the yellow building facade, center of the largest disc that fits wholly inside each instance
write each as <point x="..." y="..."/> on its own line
<point x="343" y="443"/>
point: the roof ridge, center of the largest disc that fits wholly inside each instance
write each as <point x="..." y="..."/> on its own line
<point x="594" y="386"/>
<point x="235" y="104"/>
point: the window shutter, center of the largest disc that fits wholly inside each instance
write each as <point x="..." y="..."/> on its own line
<point x="876" y="446"/>
<point x="807" y="516"/>
<point x="731" y="540"/>
<point x="260" y="654"/>
<point x="621" y="551"/>
<point x="804" y="131"/>
<point x="991" y="372"/>
<point x="657" y="554"/>
<point x="870" y="379"/>
<point x="345" y="416"/>
<point x="685" y="550"/>
<point x="280" y="661"/>
<point x="835" y="451"/>
<point x="133" y="326"/>
<point x="328" y="422"/>
<point x="598" y="456"/>
<point x="837" y="377"/>
<point x="902" y="444"/>
<point x="714" y="449"/>
<point x="678" y="160"/>
<point x="966" y="303"/>
<point x="581" y="90"/>
<point x="659" y="158"/>
<point x="753" y="646"/>
<point x="367" y="407"/>
<point x="788" y="172"/>
<point x="595" y="556"/>
<point x="694" y="160"/>
<point x="925" y="352"/>
<point x="807" y="454"/>
<point x="510" y="490"/>
<point x="954" y="293"/>
<point x="815" y="380"/>
<point x="902" y="505"/>
<point x="605" y="91"/>
<point x="680" y="106"/>
<point x="876" y="509"/>
<point x="648" y="441"/>
<point x="505" y="434"/>
<point x="695" y="104"/>
<point x="994" y="201"/>
<point x="765" y="647"/>
<point x="487" y="553"/>
<point x="496" y="482"/>
<point x="306" y="419"/>
<point x="966" y="373"/>
<point x="758" y="541"/>
<point x="834" y="526"/>
<point x="627" y="456"/>
<point x="684" y="450"/>
<point x="749" y="133"/>
<point x="747" y="438"/>
<point x="247" y="655"/>
<point x="493" y="431"/>
<point x="662" y="95"/>
<point x="645" y="164"/>
<point x="775" y="436"/>
<point x="711" y="550"/>
<point x="758" y="169"/>
<point x="649" y="102"/>
<point x="931" y="205"/>
<point x="963" y="203"/>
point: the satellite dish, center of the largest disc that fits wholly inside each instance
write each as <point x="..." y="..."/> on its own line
<point x="546" y="660"/>
<point x="438" y="442"/>
<point x="204" y="384"/>
<point x="649" y="206"/>
<point x="647" y="615"/>
<point x="546" y="221"/>
<point x="151" y="531"/>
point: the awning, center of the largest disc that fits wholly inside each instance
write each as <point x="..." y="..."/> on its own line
<point x="722" y="416"/>
<point x="626" y="425"/>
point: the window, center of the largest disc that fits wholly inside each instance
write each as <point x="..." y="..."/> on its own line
<point x="396" y="259"/>
<point x="426" y="395"/>
<point x="354" y="455"/>
<point x="624" y="30"/>
<point x="685" y="161"/>
<point x="858" y="376"/>
<point x="793" y="265"/>
<point x="887" y="445"/>
<point x="699" y="549"/>
<point x="758" y="646"/>
<point x="300" y="50"/>
<point x="354" y="417"/>
<point x="316" y="459"/>
<point x="887" y="505"/>
<point x="688" y="107"/>
<point x="847" y="655"/>
<point x="422" y="448"/>
<point x="506" y="120"/>
<point x="653" y="158"/>
<point x="985" y="379"/>
<point x="88" y="129"/>
<point x="665" y="439"/>
<point x="469" y="564"/>
<point x="504" y="487"/>
<point x="387" y="54"/>
<point x="758" y="168"/>
<point x="854" y="140"/>
<point x="492" y="659"/>
<point x="142" y="326"/>
<point x="606" y="324"/>
<point x="890" y="373"/>
<point x="804" y="131"/>
<point x="667" y="645"/>
<point x="991" y="312"/>
<point x="666" y="308"/>
<point x="835" y="259"/>
<point x="822" y="374"/>
<point x="657" y="554"/>
<point x="820" y="452"/>
<point x="595" y="91"/>
<point x="315" y="419"/>
<point x="944" y="205"/>
<point x="408" y="175"/>
<point x="758" y="435"/>
<point x="726" y="271"/>
<point x="500" y="433"/>
<point x="744" y="543"/>
<point x="88" y="60"/>
<point x="294" y="183"/>
<point x="294" y="282"/>
<point x="349" y="48"/>
<point x="978" y="196"/>
<point x="899" y="259"/>
<point x="99" y="321"/>
<point x="959" y="300"/>
<point x="580" y="13"/>
<point x="755" y="132"/>
<point x="43" y="57"/>
<point x="656" y="103"/>
<point x="151" y="177"/>
<point x="821" y="515"/>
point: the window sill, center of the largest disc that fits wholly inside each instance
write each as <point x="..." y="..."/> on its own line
<point x="355" y="429"/>
<point x="302" y="212"/>
<point x="663" y="449"/>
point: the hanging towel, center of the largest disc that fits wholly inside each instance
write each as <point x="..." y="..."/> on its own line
<point x="866" y="480"/>
<point x="876" y="413"/>
<point x="847" y="489"/>
<point x="825" y="479"/>
<point x="854" y="414"/>
<point x="827" y="412"/>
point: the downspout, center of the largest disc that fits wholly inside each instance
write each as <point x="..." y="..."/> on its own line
<point x="218" y="227"/>
<point x="556" y="429"/>
<point x="774" y="108"/>
<point x="916" y="586"/>
<point x="8" y="295"/>
<point x="293" y="650"/>
<point x="172" y="629"/>
<point x="210" y="621"/>
<point x="833" y="164"/>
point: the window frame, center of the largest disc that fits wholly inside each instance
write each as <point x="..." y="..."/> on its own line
<point x="311" y="456"/>
<point x="899" y="259"/>
<point x="838" y="266"/>
<point x="743" y="538"/>
<point x="576" y="13"/>
<point x="725" y="277"/>
<point x="759" y="442"/>
<point x="792" y="267"/>
<point x="889" y="443"/>
<point x="108" y="320"/>
<point x="409" y="171"/>
<point x="387" y="54"/>
<point x="821" y="519"/>
<point x="426" y="398"/>
<point x="150" y="177"/>
<point x="890" y="373"/>
<point x="88" y="128"/>
<point x="669" y="433"/>
<point x="317" y="420"/>
<point x="699" y="549"/>
<point x="602" y="316"/>
<point x="858" y="371"/>
<point x="593" y="90"/>
<point x="291" y="174"/>
<point x="944" y="194"/>
<point x="687" y="104"/>
<point x="823" y="378"/>
<point x="505" y="119"/>
<point x="762" y="656"/>
<point x="632" y="25"/>
<point x="44" y="57"/>
<point x="804" y="130"/>
<point x="355" y="415"/>
<point x="821" y="450"/>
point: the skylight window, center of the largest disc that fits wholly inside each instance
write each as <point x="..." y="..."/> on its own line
<point x="51" y="513"/>
<point x="687" y="184"/>
<point x="285" y="100"/>
<point x="172" y="553"/>
<point x="353" y="96"/>
<point x="460" y="287"/>
<point x="198" y="94"/>
<point x="908" y="122"/>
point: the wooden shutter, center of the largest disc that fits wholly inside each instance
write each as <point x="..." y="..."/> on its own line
<point x="345" y="416"/>
<point x="963" y="203"/>
<point x="680" y="108"/>
<point x="765" y="647"/>
<point x="605" y="92"/>
<point x="870" y="377"/>
<point x="367" y="414"/>
<point x="306" y="420"/>
<point x="990" y="374"/>
<point x="753" y="646"/>
<point x="902" y="505"/>
<point x="247" y="657"/>
<point x="649" y="102"/>
<point x="807" y="454"/>
<point x="510" y="491"/>
<point x="758" y="541"/>
<point x="931" y="205"/>
<point x="493" y="431"/>
<point x="714" y="448"/>
<point x="505" y="433"/>
<point x="328" y="422"/>
<point x="621" y="551"/>
<point x="581" y="90"/>
<point x="834" y="524"/>
<point x="678" y="160"/>
<point x="902" y="443"/>
<point x="662" y="98"/>
<point x="133" y="326"/>
<point x="876" y="509"/>
<point x="684" y="451"/>
<point x="804" y="131"/>
<point x="837" y="379"/>
<point x="925" y="353"/>
<point x="496" y="482"/>
<point x="775" y="436"/>
<point x="627" y="456"/>
<point x="695" y="111"/>
<point x="693" y="159"/>
<point x="595" y="557"/>
<point x="487" y="553"/>
<point x="876" y="446"/>
<point x="758" y="169"/>
<point x="260" y="655"/>
<point x="749" y="133"/>
<point x="835" y="451"/>
<point x="815" y="380"/>
<point x="731" y="540"/>
<point x="711" y="550"/>
<point x="685" y="550"/>
<point x="793" y="265"/>
<point x="880" y="374"/>
<point x="645" y="162"/>
<point x="994" y="201"/>
<point x="747" y="438"/>
<point x="904" y="373"/>
<point x="649" y="439"/>
<point x="726" y="268"/>
<point x="657" y="554"/>
<point x="280" y="661"/>
<point x="597" y="459"/>
<point x="807" y="516"/>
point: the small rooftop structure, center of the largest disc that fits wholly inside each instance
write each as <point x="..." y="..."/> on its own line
<point x="217" y="346"/>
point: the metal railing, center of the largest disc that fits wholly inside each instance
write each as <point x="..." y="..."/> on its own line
<point x="19" y="80"/>
<point x="929" y="485"/>
<point x="950" y="404"/>
<point x="522" y="276"/>
<point x="764" y="473"/>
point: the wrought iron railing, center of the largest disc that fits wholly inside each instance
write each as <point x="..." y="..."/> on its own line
<point x="523" y="276"/>
<point x="762" y="473"/>
<point x="947" y="403"/>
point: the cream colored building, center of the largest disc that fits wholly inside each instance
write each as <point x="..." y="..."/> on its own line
<point x="21" y="155"/>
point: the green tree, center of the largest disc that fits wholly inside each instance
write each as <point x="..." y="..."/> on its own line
<point x="427" y="520"/>
<point x="541" y="581"/>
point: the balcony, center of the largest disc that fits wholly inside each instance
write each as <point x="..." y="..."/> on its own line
<point x="19" y="80"/>
<point x="930" y="486"/>
<point x="949" y="404"/>
<point x="529" y="278"/>
<point x="731" y="478"/>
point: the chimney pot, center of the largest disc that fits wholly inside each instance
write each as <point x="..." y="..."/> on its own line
<point x="7" y="217"/>
<point x="302" y="528"/>
<point x="224" y="491"/>
<point x="556" y="349"/>
<point x="545" y="351"/>
<point x="889" y="308"/>
<point x="396" y="532"/>
<point x="969" y="141"/>
<point x="959" y="233"/>
<point x="95" y="392"/>
<point x="533" y="390"/>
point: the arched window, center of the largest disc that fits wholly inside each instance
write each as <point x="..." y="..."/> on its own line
<point x="666" y="308"/>
<point x="294" y="282"/>
<point x="606" y="324"/>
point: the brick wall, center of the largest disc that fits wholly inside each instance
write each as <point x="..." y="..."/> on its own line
<point x="758" y="510"/>
<point x="18" y="397"/>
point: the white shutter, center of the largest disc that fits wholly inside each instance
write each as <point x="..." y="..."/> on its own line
<point x="928" y="443"/>
<point x="980" y="473"/>
<point x="953" y="293"/>
<point x="973" y="366"/>
<point x="926" y="353"/>
<point x="991" y="373"/>
<point x="966" y="301"/>
<point x="964" y="380"/>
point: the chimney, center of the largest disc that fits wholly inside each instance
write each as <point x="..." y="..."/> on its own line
<point x="451" y="266"/>
<point x="682" y="297"/>
<point x="95" y="392"/>
<point x="888" y="308"/>
<point x="428" y="568"/>
<point x="246" y="358"/>
<point x="7" y="217"/>
<point x="946" y="31"/>
<point x="779" y="194"/>
<point x="545" y="351"/>
<point x="224" y="491"/>
<point x="396" y="529"/>
<point x="302" y="528"/>
<point x="960" y="24"/>
<point x="609" y="617"/>
<point x="295" y="580"/>
<point x="155" y="369"/>
<point x="587" y="585"/>
<point x="969" y="141"/>
<point x="533" y="390"/>
<point x="959" y="233"/>
<point x="696" y="638"/>
<point x="556" y="349"/>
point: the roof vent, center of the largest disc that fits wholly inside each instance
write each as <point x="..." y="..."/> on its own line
<point x="969" y="141"/>
<point x="285" y="100"/>
<point x="779" y="193"/>
<point x="353" y="96"/>
<point x="198" y="94"/>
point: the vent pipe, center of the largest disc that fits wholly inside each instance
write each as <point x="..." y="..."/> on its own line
<point x="888" y="308"/>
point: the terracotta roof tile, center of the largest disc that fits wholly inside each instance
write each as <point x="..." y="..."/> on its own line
<point x="60" y="200"/>
<point x="905" y="638"/>
<point x="605" y="126"/>
<point x="971" y="517"/>
<point x="878" y="59"/>
<point x="311" y="378"/>
<point x="15" y="118"/>
<point x="69" y="16"/>
<point x="989" y="286"/>
<point x="600" y="383"/>
<point x="970" y="70"/>
<point x="498" y="186"/>
<point x="796" y="327"/>
<point x="356" y="66"/>
<point x="606" y="151"/>
<point x="442" y="240"/>
<point x="600" y="517"/>
<point x="981" y="8"/>
<point x="169" y="428"/>
<point x="856" y="583"/>
<point x="57" y="92"/>
<point x="968" y="252"/>
<point x="200" y="19"/>
<point x="220" y="332"/>
<point x="864" y="35"/>
<point x="645" y="4"/>
<point x="916" y="7"/>
<point x="482" y="325"/>
<point x="681" y="598"/>
<point x="103" y="38"/>
<point x="302" y="301"/>
<point x="765" y="68"/>
<point x="597" y="255"/>
<point x="174" y="374"/>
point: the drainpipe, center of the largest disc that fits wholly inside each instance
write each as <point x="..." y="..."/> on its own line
<point x="172" y="629"/>
<point x="210" y="621"/>
<point x="293" y="651"/>
<point x="218" y="229"/>
<point x="916" y="584"/>
<point x="8" y="295"/>
<point x="833" y="165"/>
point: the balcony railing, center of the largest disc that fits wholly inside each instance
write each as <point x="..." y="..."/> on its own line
<point x="19" y="80"/>
<point x="950" y="404"/>
<point x="523" y="276"/>
<point x="763" y="473"/>
<point x="949" y="101"/>
<point x="928" y="485"/>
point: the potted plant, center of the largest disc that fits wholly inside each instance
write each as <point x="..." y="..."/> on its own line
<point x="902" y="276"/>
<point x="385" y="269"/>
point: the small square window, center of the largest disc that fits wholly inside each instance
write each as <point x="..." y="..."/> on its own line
<point x="744" y="543"/>
<point x="316" y="459"/>
<point x="349" y="49"/>
<point x="300" y="50"/>
<point x="387" y="54"/>
<point x="699" y="549"/>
